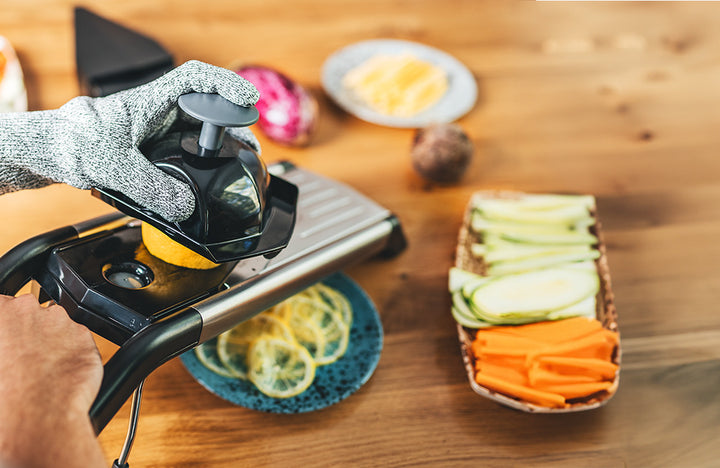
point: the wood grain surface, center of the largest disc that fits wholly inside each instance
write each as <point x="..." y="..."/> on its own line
<point x="617" y="99"/>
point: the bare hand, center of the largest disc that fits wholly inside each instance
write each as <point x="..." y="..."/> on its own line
<point x="50" y="373"/>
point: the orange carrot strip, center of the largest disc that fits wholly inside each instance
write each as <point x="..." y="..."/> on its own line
<point x="599" y="344"/>
<point x="539" y="377"/>
<point x="520" y="391"/>
<point x="576" y="390"/>
<point x="506" y="373"/>
<point x="573" y="365"/>
<point x="510" y="352"/>
<point x="506" y="340"/>
<point x="516" y="362"/>
<point x="554" y="331"/>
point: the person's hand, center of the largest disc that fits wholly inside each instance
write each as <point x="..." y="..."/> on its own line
<point x="93" y="142"/>
<point x="50" y="373"/>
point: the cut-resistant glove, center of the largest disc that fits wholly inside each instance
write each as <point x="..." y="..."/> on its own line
<point x="93" y="142"/>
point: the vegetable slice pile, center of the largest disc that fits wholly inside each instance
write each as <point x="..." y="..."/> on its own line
<point x="534" y="308"/>
<point x="538" y="252"/>
<point x="279" y="349"/>
<point x="546" y="363"/>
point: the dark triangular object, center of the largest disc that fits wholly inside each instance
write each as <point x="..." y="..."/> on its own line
<point x="111" y="57"/>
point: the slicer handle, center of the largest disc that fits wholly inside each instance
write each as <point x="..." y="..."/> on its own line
<point x="138" y="357"/>
<point x="20" y="264"/>
<point x="216" y="113"/>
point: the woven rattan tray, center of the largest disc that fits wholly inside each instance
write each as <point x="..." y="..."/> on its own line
<point x="606" y="313"/>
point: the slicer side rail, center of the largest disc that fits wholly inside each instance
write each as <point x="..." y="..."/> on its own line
<point x="241" y="302"/>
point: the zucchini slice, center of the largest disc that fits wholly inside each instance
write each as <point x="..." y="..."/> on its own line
<point x="534" y="293"/>
<point x="545" y="261"/>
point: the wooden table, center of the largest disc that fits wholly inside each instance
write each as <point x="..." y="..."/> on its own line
<point x="615" y="99"/>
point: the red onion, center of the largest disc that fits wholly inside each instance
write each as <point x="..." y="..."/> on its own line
<point x="288" y="112"/>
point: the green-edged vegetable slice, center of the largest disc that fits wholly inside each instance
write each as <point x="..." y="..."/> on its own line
<point x="545" y="261"/>
<point x="534" y="293"/>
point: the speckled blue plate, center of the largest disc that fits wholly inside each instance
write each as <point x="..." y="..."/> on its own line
<point x="333" y="382"/>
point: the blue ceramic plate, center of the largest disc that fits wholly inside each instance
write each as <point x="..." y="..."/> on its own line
<point x="333" y="382"/>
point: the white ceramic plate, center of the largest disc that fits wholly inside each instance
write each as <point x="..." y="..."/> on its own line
<point x="457" y="101"/>
<point x="13" y="97"/>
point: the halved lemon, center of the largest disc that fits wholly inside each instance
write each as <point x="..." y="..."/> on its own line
<point x="278" y="368"/>
<point x="169" y="251"/>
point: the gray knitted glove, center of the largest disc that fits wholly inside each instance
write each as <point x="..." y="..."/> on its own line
<point x="94" y="142"/>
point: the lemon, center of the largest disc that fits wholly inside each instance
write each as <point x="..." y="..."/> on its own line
<point x="233" y="345"/>
<point x="278" y="368"/>
<point x="208" y="356"/>
<point x="169" y="251"/>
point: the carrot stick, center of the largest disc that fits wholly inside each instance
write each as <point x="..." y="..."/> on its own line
<point x="571" y="365"/>
<point x="576" y="390"/>
<point x="599" y="344"/>
<point x="554" y="331"/>
<point x="520" y="391"/>
<point x="515" y="362"/>
<point x="506" y="340"/>
<point x="539" y="377"/>
<point x="510" y="352"/>
<point x="506" y="373"/>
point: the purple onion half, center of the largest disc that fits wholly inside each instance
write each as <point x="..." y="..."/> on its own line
<point x="288" y="113"/>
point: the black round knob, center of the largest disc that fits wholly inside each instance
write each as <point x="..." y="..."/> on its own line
<point x="216" y="113"/>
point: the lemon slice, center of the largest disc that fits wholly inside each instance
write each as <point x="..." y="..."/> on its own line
<point x="337" y="302"/>
<point x="330" y="323"/>
<point x="278" y="368"/>
<point x="233" y="345"/>
<point x="208" y="356"/>
<point x="307" y="332"/>
<point x="320" y="313"/>
<point x="169" y="251"/>
<point x="334" y="349"/>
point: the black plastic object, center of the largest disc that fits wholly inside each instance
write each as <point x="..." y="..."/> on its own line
<point x="216" y="113"/>
<point x="241" y="210"/>
<point x="111" y="57"/>
<point x="18" y="265"/>
<point x="110" y="282"/>
<point x="138" y="357"/>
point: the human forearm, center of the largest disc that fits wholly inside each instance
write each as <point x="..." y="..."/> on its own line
<point x="20" y="135"/>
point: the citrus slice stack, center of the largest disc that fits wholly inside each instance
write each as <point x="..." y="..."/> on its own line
<point x="279" y="349"/>
<point x="233" y="345"/>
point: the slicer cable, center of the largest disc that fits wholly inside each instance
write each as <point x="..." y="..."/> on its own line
<point x="121" y="461"/>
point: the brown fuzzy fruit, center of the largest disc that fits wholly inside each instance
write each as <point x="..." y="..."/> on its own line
<point x="441" y="152"/>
